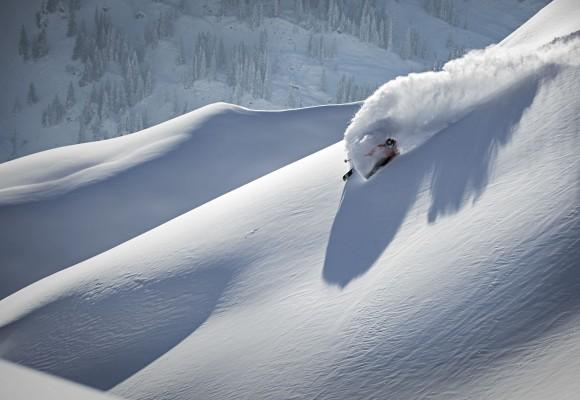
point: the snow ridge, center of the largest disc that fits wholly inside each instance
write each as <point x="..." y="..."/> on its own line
<point x="415" y="107"/>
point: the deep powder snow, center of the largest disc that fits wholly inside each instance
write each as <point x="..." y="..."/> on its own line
<point x="415" y="107"/>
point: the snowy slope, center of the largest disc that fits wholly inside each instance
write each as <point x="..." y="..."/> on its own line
<point x="120" y="188"/>
<point x="452" y="274"/>
<point x="19" y="383"/>
<point x="347" y="66"/>
<point x="415" y="107"/>
<point x="547" y="23"/>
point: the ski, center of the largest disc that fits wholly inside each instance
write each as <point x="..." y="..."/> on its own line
<point x="347" y="175"/>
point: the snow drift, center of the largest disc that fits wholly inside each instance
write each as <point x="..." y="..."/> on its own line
<point x="413" y="108"/>
<point x="119" y="188"/>
<point x="20" y="383"/>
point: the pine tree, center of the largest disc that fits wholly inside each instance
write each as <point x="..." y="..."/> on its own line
<point x="443" y="9"/>
<point x="221" y="56"/>
<point x="147" y="81"/>
<point x="348" y="89"/>
<point x="299" y="7"/>
<point x="72" y="23"/>
<point x="43" y="43"/>
<point x="79" y="49"/>
<point x="256" y="16"/>
<point x="44" y="119"/>
<point x="291" y="100"/>
<point x="70" y="96"/>
<point x="88" y="74"/>
<point x="54" y="113"/>
<point x="51" y="5"/>
<point x="323" y="81"/>
<point x="406" y="50"/>
<point x="39" y="20"/>
<point x="14" y="141"/>
<point x="17" y="108"/>
<point x="23" y="45"/>
<point x="32" y="97"/>
<point x="340" y="89"/>
<point x="180" y="60"/>
<point x="201" y="65"/>
<point x="183" y="7"/>
<point x="144" y="119"/>
<point x="40" y="45"/>
<point x="74" y="5"/>
<point x="212" y="69"/>
<point x="388" y="33"/>
<point x="165" y="25"/>
<point x="310" y="48"/>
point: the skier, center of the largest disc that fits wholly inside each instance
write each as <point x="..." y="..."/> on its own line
<point x="385" y="152"/>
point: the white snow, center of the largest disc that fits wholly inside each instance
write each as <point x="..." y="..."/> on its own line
<point x="550" y="22"/>
<point x="20" y="383"/>
<point x="65" y="205"/>
<point x="415" y="107"/>
<point x="453" y="274"/>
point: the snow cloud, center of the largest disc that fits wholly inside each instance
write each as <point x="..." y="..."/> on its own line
<point x="415" y="107"/>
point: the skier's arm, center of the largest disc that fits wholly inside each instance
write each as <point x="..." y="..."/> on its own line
<point x="370" y="153"/>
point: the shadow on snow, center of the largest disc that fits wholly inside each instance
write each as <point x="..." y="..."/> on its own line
<point x="458" y="160"/>
<point x="115" y="332"/>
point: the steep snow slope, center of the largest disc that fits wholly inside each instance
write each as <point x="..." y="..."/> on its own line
<point x="430" y="280"/>
<point x="547" y="23"/>
<point x="415" y="107"/>
<point x="120" y="188"/>
<point x="452" y="274"/>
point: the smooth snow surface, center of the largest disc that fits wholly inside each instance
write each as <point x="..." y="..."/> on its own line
<point x="452" y="274"/>
<point x="550" y="22"/>
<point x="63" y="206"/>
<point x="20" y="383"/>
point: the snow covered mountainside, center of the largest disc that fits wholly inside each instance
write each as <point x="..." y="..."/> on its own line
<point x="451" y="274"/>
<point x="20" y="383"/>
<point x="84" y="70"/>
<point x="413" y="108"/>
<point x="120" y="188"/>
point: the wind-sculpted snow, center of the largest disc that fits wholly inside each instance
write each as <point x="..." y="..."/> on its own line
<point x="20" y="383"/>
<point x="65" y="205"/>
<point x="451" y="275"/>
<point x="550" y="22"/>
<point x="415" y="107"/>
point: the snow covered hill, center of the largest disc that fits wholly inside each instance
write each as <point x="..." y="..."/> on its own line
<point x="85" y="70"/>
<point x="415" y="107"/>
<point x="19" y="383"/>
<point x="120" y="188"/>
<point x="451" y="274"/>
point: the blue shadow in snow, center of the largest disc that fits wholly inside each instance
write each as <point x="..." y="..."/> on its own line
<point x="458" y="160"/>
<point x="110" y="338"/>
<point x="449" y="342"/>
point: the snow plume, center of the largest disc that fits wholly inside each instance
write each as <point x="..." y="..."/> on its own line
<point x="415" y="107"/>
